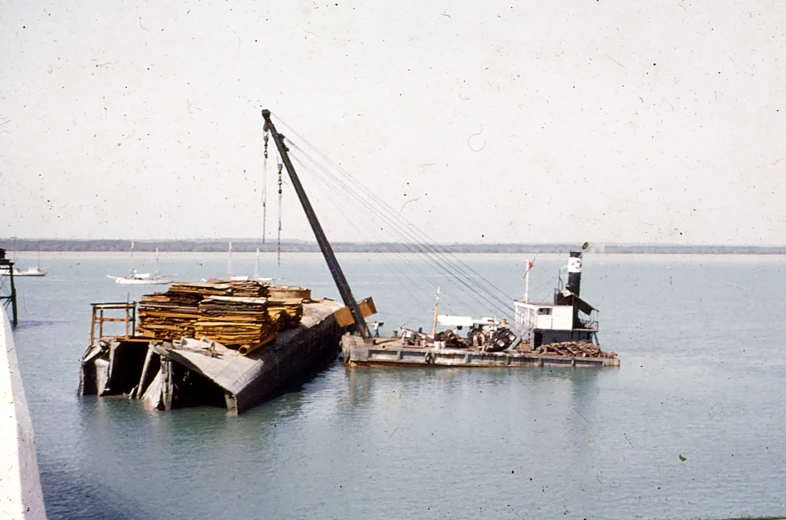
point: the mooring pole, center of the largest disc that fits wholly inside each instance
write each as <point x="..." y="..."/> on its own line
<point x="324" y="245"/>
<point x="8" y="265"/>
<point x="15" y="320"/>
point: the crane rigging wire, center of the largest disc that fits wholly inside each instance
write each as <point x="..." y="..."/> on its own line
<point x="450" y="269"/>
<point x="446" y="269"/>
<point x="415" y="286"/>
<point x="449" y="276"/>
<point x="266" y="138"/>
<point x="424" y="239"/>
<point x="278" y="249"/>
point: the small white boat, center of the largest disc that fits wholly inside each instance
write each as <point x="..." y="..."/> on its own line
<point x="30" y="271"/>
<point x="136" y="278"/>
<point x="33" y="270"/>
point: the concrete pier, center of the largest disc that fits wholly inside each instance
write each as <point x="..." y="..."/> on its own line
<point x="20" y="484"/>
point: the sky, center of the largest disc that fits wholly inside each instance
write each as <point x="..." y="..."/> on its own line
<point x="479" y="122"/>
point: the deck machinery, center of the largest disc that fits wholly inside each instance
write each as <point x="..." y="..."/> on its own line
<point x="561" y="332"/>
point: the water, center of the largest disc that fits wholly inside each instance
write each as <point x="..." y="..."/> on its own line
<point x="702" y="377"/>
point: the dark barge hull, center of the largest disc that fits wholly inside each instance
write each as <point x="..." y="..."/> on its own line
<point x="386" y="353"/>
<point x="191" y="373"/>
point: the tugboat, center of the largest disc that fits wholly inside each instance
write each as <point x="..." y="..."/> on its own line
<point x="562" y="332"/>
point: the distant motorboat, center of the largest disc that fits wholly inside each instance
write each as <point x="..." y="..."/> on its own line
<point x="30" y="271"/>
<point x="136" y="278"/>
<point x="139" y="279"/>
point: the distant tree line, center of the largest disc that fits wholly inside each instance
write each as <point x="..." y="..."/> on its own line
<point x="297" y="246"/>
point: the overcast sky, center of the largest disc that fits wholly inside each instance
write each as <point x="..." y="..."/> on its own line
<point x="530" y="121"/>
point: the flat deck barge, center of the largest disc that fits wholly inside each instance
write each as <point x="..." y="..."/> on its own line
<point x="393" y="352"/>
<point x="223" y="343"/>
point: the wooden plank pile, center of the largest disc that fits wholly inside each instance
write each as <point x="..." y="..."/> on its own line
<point x="235" y="314"/>
<point x="246" y="289"/>
<point x="170" y="315"/>
<point x="287" y="312"/>
<point x="235" y="321"/>
<point x="574" y="349"/>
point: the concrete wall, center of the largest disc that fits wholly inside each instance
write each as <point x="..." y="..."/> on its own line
<point x="20" y="485"/>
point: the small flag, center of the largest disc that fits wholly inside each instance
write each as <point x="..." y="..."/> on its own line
<point x="530" y="265"/>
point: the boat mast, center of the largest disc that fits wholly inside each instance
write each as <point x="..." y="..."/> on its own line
<point x="229" y="262"/>
<point x="131" y="265"/>
<point x="256" y="267"/>
<point x="324" y="245"/>
<point x="156" y="275"/>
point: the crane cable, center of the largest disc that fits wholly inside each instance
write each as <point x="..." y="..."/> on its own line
<point x="426" y="244"/>
<point x="280" y="182"/>
<point x="452" y="271"/>
<point x="266" y="138"/>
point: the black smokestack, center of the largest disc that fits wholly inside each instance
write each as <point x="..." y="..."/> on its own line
<point x="574" y="273"/>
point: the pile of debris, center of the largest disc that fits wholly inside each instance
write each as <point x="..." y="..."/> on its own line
<point x="234" y="313"/>
<point x="574" y="349"/>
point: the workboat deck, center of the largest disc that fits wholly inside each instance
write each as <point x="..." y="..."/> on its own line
<point x="395" y="352"/>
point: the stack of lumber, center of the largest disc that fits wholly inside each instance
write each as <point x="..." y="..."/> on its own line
<point x="286" y="312"/>
<point x="574" y="349"/>
<point x="168" y="315"/>
<point x="235" y="321"/>
<point x="233" y="313"/>
<point x="248" y="289"/>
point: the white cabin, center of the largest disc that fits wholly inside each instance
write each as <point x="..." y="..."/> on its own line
<point x="568" y="319"/>
<point x="544" y="315"/>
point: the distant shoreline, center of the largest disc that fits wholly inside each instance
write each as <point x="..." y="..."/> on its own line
<point x="249" y="246"/>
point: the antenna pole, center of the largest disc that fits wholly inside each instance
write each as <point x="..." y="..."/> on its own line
<point x="436" y="314"/>
<point x="324" y="245"/>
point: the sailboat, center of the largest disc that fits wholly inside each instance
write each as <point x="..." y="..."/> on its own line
<point x="229" y="268"/>
<point x="33" y="270"/>
<point x="242" y="278"/>
<point x="136" y="278"/>
<point x="256" y="272"/>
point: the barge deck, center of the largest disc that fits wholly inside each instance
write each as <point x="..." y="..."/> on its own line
<point x="193" y="372"/>
<point x="393" y="352"/>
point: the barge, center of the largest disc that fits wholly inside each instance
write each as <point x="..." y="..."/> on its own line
<point x="167" y="374"/>
<point x="562" y="332"/>
<point x="230" y="343"/>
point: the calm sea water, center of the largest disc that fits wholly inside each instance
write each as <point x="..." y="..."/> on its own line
<point x="702" y="377"/>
